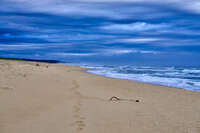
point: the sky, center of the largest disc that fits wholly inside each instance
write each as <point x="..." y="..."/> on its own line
<point x="138" y="32"/>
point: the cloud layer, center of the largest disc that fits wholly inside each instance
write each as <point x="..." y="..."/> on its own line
<point x="89" y="28"/>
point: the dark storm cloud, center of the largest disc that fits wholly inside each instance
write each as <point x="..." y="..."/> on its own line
<point x="91" y="27"/>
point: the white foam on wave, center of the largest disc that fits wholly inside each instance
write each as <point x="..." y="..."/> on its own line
<point x="183" y="83"/>
<point x="191" y="71"/>
<point x="185" y="78"/>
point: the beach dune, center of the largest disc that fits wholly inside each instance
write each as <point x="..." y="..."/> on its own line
<point x="53" y="98"/>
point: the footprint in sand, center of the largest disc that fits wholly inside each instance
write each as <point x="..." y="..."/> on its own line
<point x="6" y="88"/>
<point x="80" y="125"/>
<point x="79" y="120"/>
<point x="76" y="109"/>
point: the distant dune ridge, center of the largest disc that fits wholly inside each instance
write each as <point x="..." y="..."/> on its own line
<point x="38" y="97"/>
<point x="33" y="60"/>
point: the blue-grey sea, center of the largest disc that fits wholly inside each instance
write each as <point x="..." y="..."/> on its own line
<point x="180" y="77"/>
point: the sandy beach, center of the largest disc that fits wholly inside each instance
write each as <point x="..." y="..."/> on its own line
<point x="53" y="98"/>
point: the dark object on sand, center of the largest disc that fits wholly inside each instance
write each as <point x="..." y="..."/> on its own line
<point x="137" y="101"/>
<point x="114" y="98"/>
<point x="37" y="64"/>
<point x="47" y="66"/>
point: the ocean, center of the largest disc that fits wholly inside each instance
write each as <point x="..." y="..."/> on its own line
<point x="180" y="77"/>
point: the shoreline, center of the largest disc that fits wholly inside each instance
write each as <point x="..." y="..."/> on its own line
<point x="142" y="82"/>
<point x="42" y="97"/>
<point x="137" y="81"/>
<point x="134" y="80"/>
<point x="86" y="69"/>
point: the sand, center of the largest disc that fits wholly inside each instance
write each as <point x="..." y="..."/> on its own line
<point x="53" y="98"/>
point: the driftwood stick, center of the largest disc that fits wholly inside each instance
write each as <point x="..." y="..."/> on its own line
<point x="114" y="98"/>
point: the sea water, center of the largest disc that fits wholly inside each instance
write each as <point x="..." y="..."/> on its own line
<point x="179" y="77"/>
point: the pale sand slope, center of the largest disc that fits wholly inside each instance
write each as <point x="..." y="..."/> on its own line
<point x="62" y="99"/>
